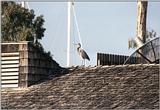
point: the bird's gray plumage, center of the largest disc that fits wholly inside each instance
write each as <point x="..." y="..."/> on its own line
<point x="82" y="53"/>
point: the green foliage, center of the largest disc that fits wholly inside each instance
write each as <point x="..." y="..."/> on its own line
<point x="132" y="43"/>
<point x="20" y="24"/>
<point x="49" y="54"/>
<point x="149" y="35"/>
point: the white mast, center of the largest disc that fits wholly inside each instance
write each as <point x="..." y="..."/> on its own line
<point x="25" y="5"/>
<point x="69" y="32"/>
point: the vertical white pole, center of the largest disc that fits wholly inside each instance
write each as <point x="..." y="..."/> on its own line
<point x="69" y="32"/>
<point x="27" y="5"/>
<point x="23" y="4"/>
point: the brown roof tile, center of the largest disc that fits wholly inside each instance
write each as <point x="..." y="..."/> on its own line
<point x="120" y="87"/>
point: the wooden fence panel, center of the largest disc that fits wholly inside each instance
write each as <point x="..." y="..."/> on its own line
<point x="112" y="59"/>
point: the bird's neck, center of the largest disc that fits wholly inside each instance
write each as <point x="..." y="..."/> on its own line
<point x="78" y="48"/>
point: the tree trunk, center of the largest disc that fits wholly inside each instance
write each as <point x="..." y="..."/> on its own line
<point x="141" y="21"/>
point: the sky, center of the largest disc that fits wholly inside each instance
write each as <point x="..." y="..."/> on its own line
<point x="105" y="27"/>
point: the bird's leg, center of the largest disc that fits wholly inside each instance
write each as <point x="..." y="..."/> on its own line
<point x="84" y="62"/>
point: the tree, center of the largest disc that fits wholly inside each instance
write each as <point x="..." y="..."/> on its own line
<point x="141" y="21"/>
<point x="20" y="24"/>
<point x="150" y="34"/>
<point x="141" y="35"/>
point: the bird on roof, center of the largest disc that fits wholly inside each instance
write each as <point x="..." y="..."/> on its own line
<point x="82" y="53"/>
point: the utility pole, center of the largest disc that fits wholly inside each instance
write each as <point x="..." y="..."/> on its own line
<point x="141" y="23"/>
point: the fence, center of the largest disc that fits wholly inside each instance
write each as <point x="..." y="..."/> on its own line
<point x="111" y="59"/>
<point x="23" y="64"/>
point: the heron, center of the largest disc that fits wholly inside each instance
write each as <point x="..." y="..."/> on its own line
<point x="82" y="53"/>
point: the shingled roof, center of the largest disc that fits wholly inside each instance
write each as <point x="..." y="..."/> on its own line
<point x="120" y="87"/>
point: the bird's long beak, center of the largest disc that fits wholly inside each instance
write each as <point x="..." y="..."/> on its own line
<point x="75" y="44"/>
